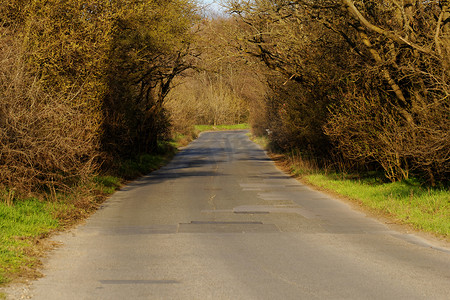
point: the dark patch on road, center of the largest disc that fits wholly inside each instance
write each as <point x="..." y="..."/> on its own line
<point x="225" y="223"/>
<point x="139" y="281"/>
<point x="252" y="212"/>
<point x="137" y="230"/>
<point x="226" y="227"/>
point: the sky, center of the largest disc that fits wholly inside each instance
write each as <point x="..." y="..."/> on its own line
<point x="212" y="5"/>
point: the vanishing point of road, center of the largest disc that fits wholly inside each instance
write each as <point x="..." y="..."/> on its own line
<point x="222" y="222"/>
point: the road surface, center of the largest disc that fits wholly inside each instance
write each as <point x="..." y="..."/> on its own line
<point x="222" y="222"/>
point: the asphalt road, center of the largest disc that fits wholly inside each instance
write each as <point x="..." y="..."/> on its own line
<point x="222" y="222"/>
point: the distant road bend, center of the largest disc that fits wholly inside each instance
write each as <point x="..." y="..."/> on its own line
<point x="222" y="222"/>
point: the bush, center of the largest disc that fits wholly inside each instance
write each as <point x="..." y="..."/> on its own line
<point x="45" y="139"/>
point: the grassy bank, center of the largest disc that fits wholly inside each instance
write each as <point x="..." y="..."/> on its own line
<point x="201" y="128"/>
<point x="26" y="222"/>
<point x="21" y="225"/>
<point x="408" y="202"/>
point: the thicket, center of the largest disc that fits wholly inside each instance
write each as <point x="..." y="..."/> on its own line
<point x="82" y="84"/>
<point x="366" y="81"/>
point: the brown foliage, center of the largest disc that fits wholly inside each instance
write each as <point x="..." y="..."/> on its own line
<point x="408" y="122"/>
<point x="45" y="140"/>
<point x="372" y="75"/>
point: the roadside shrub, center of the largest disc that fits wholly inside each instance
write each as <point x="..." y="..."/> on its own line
<point x="371" y="76"/>
<point x="45" y="139"/>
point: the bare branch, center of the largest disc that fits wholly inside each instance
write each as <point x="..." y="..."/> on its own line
<point x="390" y="35"/>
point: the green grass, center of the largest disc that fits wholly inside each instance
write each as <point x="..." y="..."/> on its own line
<point x="201" y="128"/>
<point x="141" y="165"/>
<point x="20" y="224"/>
<point x="407" y="202"/>
<point x="263" y="141"/>
<point x="107" y="184"/>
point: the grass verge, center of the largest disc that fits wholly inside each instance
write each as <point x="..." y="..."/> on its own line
<point x="21" y="226"/>
<point x="407" y="202"/>
<point x="201" y="128"/>
<point x="263" y="141"/>
<point x="25" y="223"/>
